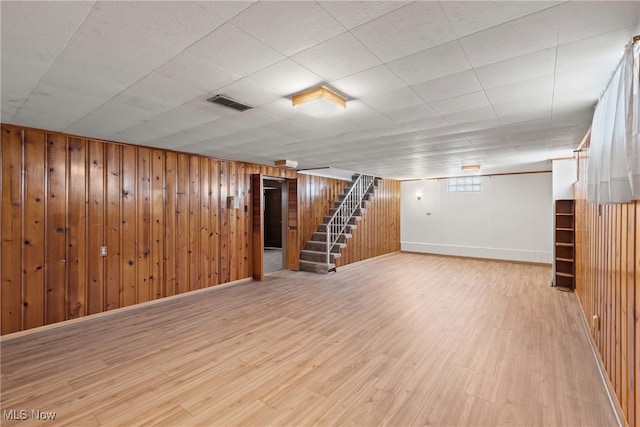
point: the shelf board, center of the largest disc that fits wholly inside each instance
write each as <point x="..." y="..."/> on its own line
<point x="564" y="259"/>
<point x="564" y="214"/>
<point x="564" y="229"/>
<point x="563" y="274"/>
<point x="564" y="244"/>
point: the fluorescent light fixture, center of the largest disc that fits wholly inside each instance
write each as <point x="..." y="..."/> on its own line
<point x="290" y="164"/>
<point x="319" y="102"/>
<point x="470" y="168"/>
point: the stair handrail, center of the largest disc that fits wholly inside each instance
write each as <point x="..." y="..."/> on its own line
<point x="340" y="219"/>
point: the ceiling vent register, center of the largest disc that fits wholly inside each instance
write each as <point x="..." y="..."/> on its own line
<point x="228" y="102"/>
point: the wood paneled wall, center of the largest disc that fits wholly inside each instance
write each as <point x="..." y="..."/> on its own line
<point x="163" y="216"/>
<point x="378" y="231"/>
<point x="607" y="276"/>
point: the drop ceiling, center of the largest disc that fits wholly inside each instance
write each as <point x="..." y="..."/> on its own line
<point x="431" y="85"/>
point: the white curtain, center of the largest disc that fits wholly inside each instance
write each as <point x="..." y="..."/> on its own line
<point x="614" y="153"/>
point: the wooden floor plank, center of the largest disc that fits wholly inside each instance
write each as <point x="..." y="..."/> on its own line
<point x="404" y="339"/>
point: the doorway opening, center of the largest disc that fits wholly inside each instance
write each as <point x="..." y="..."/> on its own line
<point x="274" y="202"/>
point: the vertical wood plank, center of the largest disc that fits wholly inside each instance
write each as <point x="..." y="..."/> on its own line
<point x="128" y="231"/>
<point x="170" y="231"/>
<point x="156" y="274"/>
<point x="194" y="223"/>
<point x="223" y="251"/>
<point x="56" y="266"/>
<point x="232" y="173"/>
<point x="143" y="225"/>
<point x="113" y="224"/>
<point x="182" y="225"/>
<point x="214" y="223"/>
<point x="205" y="221"/>
<point x="95" y="262"/>
<point x="77" y="244"/>
<point x="33" y="251"/>
<point x="11" y="227"/>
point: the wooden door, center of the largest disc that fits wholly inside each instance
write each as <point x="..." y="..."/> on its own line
<point x="257" y="226"/>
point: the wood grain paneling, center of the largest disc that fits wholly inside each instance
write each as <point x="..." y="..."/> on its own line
<point x="163" y="216"/>
<point x="12" y="194"/>
<point x="607" y="273"/>
<point x="378" y="232"/>
<point x="34" y="246"/>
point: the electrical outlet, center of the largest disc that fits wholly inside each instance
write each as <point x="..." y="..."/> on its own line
<point x="103" y="251"/>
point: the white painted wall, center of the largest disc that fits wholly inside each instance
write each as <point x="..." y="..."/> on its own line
<point x="565" y="173"/>
<point x="510" y="219"/>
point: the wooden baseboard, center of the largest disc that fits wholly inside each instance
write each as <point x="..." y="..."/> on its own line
<point x="544" y="264"/>
<point x="116" y="311"/>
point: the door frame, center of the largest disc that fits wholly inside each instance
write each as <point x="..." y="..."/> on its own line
<point x="289" y="229"/>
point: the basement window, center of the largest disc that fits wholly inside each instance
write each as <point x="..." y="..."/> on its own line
<point x="465" y="184"/>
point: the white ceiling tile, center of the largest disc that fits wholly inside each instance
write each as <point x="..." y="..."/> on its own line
<point x="53" y="20"/>
<point x="363" y="116"/>
<point x="286" y="78"/>
<point x="461" y="103"/>
<point x="354" y="13"/>
<point x="427" y="123"/>
<point x="582" y="86"/>
<point x="605" y="48"/>
<point x="512" y="39"/>
<point x="226" y="9"/>
<point x="188" y="69"/>
<point x="222" y="48"/>
<point x="581" y="20"/>
<point x="374" y="81"/>
<point x="448" y="87"/>
<point x="288" y="27"/>
<point x="412" y="113"/>
<point x="47" y="115"/>
<point x="26" y="57"/>
<point x="339" y="57"/>
<point x="407" y="30"/>
<point x="468" y="17"/>
<point x="249" y="93"/>
<point x="521" y="68"/>
<point x="429" y="64"/>
<point x="541" y="87"/>
<point x="149" y="32"/>
<point x="473" y="115"/>
<point x="394" y="100"/>
<point x="165" y="89"/>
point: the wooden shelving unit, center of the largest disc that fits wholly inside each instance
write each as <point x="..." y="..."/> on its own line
<point x="564" y="251"/>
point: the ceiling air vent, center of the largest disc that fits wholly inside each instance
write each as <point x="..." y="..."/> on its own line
<point x="228" y="102"/>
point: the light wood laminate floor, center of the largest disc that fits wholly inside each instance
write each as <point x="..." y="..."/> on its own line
<point x="404" y="339"/>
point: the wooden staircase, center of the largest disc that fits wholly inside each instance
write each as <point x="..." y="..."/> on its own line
<point x="313" y="257"/>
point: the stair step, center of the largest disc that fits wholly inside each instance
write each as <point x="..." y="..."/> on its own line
<point x="318" y="256"/>
<point x="347" y="230"/>
<point x="357" y="212"/>
<point x="316" y="267"/>
<point x="313" y="245"/>
<point x="322" y="237"/>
